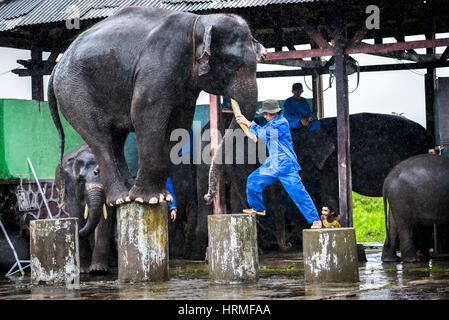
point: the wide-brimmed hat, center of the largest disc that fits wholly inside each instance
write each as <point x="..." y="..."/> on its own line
<point x="270" y="106"/>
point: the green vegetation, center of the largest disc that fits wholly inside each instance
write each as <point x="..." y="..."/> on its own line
<point x="368" y="218"/>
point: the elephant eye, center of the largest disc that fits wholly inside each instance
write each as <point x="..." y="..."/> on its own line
<point x="96" y="171"/>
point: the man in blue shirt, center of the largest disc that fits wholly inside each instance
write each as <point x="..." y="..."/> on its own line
<point x="297" y="107"/>
<point x="282" y="164"/>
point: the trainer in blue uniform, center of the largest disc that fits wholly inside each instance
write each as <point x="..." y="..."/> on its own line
<point x="282" y="164"/>
<point x="297" y="107"/>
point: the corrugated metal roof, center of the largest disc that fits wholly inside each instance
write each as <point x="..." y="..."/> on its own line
<point x="18" y="13"/>
<point x="14" y="9"/>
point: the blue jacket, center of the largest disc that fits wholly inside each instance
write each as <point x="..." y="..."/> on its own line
<point x="170" y="189"/>
<point x="282" y="157"/>
<point x="314" y="125"/>
<point x="294" y="110"/>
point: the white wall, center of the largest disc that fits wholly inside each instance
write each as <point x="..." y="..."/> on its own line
<point x="383" y="92"/>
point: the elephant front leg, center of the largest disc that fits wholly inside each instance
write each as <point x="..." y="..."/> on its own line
<point x="153" y="148"/>
<point x="100" y="254"/>
<point x="85" y="254"/>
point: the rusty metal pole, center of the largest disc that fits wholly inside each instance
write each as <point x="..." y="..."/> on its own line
<point x="214" y="141"/>
<point x="343" y="135"/>
<point x="37" y="81"/>
<point x="429" y="89"/>
<point x="318" y="100"/>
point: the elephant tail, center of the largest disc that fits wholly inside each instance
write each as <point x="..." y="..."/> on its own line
<point x="53" y="105"/>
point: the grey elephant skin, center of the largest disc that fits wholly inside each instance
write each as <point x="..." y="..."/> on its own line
<point x="378" y="142"/>
<point x="97" y="247"/>
<point x="142" y="70"/>
<point x="416" y="193"/>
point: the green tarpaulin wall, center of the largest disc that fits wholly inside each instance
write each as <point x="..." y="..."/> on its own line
<point x="27" y="131"/>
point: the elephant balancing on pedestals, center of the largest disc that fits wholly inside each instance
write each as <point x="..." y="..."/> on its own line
<point x="142" y="70"/>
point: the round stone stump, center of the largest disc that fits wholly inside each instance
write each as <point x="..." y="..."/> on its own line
<point x="54" y="252"/>
<point x="233" y="255"/>
<point x="330" y="255"/>
<point x="142" y="244"/>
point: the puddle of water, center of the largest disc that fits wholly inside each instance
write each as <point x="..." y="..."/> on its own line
<point x="282" y="280"/>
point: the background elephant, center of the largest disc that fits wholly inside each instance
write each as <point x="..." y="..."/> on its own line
<point x="416" y="192"/>
<point x="378" y="142"/>
<point x="151" y="88"/>
<point x="82" y="186"/>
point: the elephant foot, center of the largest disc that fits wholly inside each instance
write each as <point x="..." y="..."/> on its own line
<point x="423" y="254"/>
<point x="411" y="259"/>
<point x="84" y="269"/>
<point x="390" y="258"/>
<point x="98" y="269"/>
<point x="116" y="198"/>
<point x="147" y="195"/>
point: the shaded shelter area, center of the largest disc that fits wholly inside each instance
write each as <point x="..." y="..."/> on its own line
<point x="331" y="28"/>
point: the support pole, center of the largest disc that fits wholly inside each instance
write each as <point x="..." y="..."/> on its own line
<point x="318" y="100"/>
<point x="317" y="89"/>
<point x="37" y="81"/>
<point x="343" y="135"/>
<point x="142" y="244"/>
<point x="429" y="89"/>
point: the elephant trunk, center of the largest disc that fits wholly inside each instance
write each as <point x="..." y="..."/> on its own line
<point x="95" y="199"/>
<point x="245" y="94"/>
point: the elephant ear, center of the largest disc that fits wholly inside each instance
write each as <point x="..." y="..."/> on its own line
<point x="203" y="60"/>
<point x="315" y="145"/>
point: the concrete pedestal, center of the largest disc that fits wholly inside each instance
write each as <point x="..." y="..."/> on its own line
<point x="233" y="255"/>
<point x="142" y="243"/>
<point x="54" y="252"/>
<point x="330" y="255"/>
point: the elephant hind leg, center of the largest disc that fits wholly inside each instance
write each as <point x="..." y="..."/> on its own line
<point x="408" y="251"/>
<point x="391" y="241"/>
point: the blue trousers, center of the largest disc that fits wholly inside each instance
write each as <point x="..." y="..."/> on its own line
<point x="264" y="176"/>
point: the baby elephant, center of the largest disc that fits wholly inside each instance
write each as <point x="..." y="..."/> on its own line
<point x="417" y="192"/>
<point x="84" y="198"/>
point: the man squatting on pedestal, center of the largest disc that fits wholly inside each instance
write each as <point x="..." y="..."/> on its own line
<point x="282" y="164"/>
